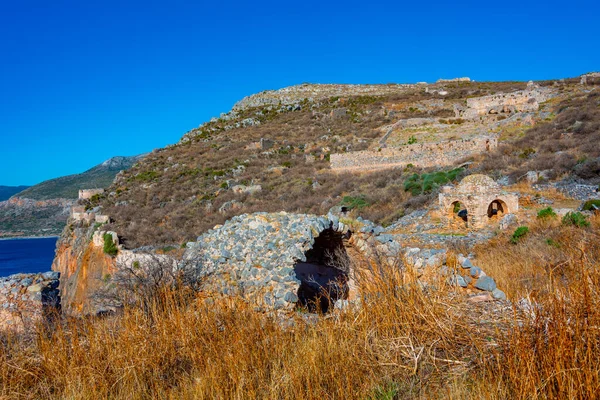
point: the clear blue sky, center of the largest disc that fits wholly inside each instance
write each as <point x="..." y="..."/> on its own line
<point x="81" y="81"/>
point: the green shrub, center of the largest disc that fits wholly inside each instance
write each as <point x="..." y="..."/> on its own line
<point x="425" y="183"/>
<point x="546" y="213"/>
<point x="518" y="234"/>
<point x="110" y="247"/>
<point x="588" y="205"/>
<point x="552" y="243"/>
<point x="412" y="139"/>
<point x="357" y="202"/>
<point x="575" y="218"/>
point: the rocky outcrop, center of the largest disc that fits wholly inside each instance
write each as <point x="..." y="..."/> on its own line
<point x="83" y="265"/>
<point x="314" y="92"/>
<point x="27" y="300"/>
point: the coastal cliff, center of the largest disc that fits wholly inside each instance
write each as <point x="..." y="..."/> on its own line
<point x="83" y="268"/>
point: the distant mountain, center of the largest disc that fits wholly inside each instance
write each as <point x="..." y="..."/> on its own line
<point x="7" y="191"/>
<point x="67" y="187"/>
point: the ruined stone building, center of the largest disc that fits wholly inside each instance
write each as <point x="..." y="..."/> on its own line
<point x="477" y="201"/>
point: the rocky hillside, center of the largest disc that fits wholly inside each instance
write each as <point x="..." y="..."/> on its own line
<point x="7" y="191"/>
<point x="26" y="217"/>
<point x="272" y="152"/>
<point x="67" y="187"/>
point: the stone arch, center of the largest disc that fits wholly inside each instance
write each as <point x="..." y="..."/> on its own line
<point x="497" y="207"/>
<point x="458" y="211"/>
<point x="324" y="276"/>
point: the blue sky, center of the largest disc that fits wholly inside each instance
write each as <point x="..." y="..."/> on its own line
<point x="81" y="81"/>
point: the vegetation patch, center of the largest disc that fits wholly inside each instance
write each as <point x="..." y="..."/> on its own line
<point x="518" y="234"/>
<point x="576" y="219"/>
<point x="110" y="247"/>
<point x="418" y="184"/>
<point x="546" y="213"/>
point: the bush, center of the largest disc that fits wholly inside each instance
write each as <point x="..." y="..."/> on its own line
<point x="110" y="246"/>
<point x="576" y="219"/>
<point x="412" y="140"/>
<point x="546" y="213"/>
<point x="425" y="183"/>
<point x="354" y="202"/>
<point x="589" y="205"/>
<point x="518" y="234"/>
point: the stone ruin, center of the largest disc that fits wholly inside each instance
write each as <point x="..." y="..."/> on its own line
<point x="504" y="103"/>
<point x="79" y="213"/>
<point x="476" y="201"/>
<point x="27" y="300"/>
<point x="280" y="261"/>
<point x="86" y="194"/>
<point x="422" y="155"/>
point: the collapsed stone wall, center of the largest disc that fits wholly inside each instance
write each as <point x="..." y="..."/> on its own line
<point x="28" y="299"/>
<point x="519" y="101"/>
<point x="421" y="155"/>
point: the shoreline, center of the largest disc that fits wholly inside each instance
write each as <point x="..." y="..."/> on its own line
<point x="29" y="237"/>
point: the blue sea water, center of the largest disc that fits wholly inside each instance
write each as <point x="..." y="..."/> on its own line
<point x="26" y="255"/>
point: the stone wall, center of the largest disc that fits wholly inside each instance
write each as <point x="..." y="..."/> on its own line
<point x="519" y="101"/>
<point x="422" y="155"/>
<point x="86" y="194"/>
<point x="28" y="299"/>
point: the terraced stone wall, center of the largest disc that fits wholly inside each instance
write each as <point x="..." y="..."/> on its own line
<point x="422" y="155"/>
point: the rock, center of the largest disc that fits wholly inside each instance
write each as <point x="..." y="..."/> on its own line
<point x="507" y="221"/>
<point x="498" y="294"/>
<point x="466" y="264"/>
<point x="475" y="272"/>
<point x="485" y="283"/>
<point x="230" y="206"/>
<point x="480" y="298"/>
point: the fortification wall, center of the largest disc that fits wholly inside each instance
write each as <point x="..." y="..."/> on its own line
<point x="85" y="194"/>
<point x="422" y="155"/>
<point x="28" y="299"/>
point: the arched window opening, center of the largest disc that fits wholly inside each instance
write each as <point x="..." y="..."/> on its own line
<point x="497" y="208"/>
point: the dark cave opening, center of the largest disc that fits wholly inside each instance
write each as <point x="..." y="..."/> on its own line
<point x="324" y="274"/>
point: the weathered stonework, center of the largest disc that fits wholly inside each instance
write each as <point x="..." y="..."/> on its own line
<point x="482" y="198"/>
<point x="27" y="300"/>
<point x="86" y="194"/>
<point x="421" y="155"/>
<point x="519" y="101"/>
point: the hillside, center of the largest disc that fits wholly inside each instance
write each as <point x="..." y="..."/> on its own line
<point x="67" y="187"/>
<point x="272" y="152"/>
<point x="7" y="191"/>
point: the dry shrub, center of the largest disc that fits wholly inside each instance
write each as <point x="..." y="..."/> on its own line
<point x="403" y="342"/>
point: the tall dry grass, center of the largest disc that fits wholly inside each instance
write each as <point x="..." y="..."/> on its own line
<point x="402" y="342"/>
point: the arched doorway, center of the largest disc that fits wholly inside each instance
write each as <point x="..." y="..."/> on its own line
<point x="497" y="208"/>
<point x="324" y="275"/>
<point x="459" y="213"/>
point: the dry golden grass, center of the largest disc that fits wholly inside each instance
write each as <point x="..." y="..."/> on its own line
<point x="403" y="342"/>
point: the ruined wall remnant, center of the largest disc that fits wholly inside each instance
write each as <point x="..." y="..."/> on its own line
<point x="519" y="101"/>
<point x="27" y="300"/>
<point x="477" y="200"/>
<point x="86" y="194"/>
<point x="421" y="155"/>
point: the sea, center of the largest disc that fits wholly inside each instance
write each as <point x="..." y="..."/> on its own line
<point x="26" y="255"/>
